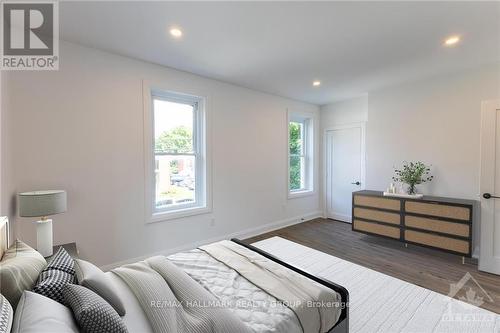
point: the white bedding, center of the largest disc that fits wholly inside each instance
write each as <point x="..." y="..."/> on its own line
<point x="225" y="283"/>
<point x="135" y="319"/>
<point x="257" y="309"/>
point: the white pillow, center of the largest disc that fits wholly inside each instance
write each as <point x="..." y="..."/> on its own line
<point x="92" y="277"/>
<point x="39" y="314"/>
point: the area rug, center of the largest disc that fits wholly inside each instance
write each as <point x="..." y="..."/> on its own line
<point x="381" y="303"/>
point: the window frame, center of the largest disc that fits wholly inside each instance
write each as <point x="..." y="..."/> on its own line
<point x="307" y="119"/>
<point x="202" y="204"/>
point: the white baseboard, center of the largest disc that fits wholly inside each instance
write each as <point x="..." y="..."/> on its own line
<point x="340" y="217"/>
<point x="247" y="233"/>
<point x="475" y="253"/>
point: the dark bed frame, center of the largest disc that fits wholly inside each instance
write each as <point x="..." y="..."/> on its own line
<point x="342" y="324"/>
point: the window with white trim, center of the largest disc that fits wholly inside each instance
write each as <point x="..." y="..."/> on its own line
<point x="300" y="151"/>
<point x="179" y="163"/>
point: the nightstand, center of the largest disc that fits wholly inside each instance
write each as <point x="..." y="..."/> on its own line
<point x="69" y="247"/>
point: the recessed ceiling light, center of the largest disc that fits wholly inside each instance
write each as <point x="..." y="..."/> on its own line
<point x="452" y="40"/>
<point x="316" y="83"/>
<point x="176" y="32"/>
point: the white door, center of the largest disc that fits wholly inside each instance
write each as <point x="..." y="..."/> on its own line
<point x="344" y="169"/>
<point x="489" y="252"/>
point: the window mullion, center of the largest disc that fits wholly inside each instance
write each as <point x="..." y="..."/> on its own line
<point x="175" y="154"/>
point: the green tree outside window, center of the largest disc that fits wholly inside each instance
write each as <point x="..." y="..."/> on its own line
<point x="295" y="135"/>
<point x="177" y="140"/>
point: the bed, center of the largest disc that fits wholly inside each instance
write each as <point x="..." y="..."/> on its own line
<point x="207" y="271"/>
<point x="226" y="282"/>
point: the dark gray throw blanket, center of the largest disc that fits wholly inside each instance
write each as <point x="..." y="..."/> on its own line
<point x="174" y="302"/>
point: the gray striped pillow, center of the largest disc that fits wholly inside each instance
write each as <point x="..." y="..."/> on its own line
<point x="19" y="270"/>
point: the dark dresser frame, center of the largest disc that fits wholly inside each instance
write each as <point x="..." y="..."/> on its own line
<point x="451" y="202"/>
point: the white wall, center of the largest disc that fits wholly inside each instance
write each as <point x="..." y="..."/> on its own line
<point x="81" y="129"/>
<point x="353" y="110"/>
<point x="1" y="143"/>
<point x="6" y="204"/>
<point x="436" y="120"/>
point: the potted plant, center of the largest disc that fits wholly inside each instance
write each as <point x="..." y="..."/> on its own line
<point x="412" y="174"/>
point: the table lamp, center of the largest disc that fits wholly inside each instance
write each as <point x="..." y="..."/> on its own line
<point x="42" y="204"/>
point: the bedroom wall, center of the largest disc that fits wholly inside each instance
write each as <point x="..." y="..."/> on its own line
<point x="1" y="145"/>
<point x="352" y="110"/>
<point x="435" y="120"/>
<point x="6" y="205"/>
<point x="81" y="129"/>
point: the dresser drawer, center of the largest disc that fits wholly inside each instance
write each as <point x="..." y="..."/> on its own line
<point x="440" y="210"/>
<point x="377" y="202"/>
<point x="441" y="242"/>
<point x="377" y="215"/>
<point x="452" y="228"/>
<point x="375" y="228"/>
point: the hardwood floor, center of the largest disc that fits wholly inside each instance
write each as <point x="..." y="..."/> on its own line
<point x="431" y="269"/>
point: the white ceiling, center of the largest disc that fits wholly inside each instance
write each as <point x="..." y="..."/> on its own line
<point x="281" y="47"/>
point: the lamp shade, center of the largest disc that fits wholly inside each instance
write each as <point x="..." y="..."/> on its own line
<point x="42" y="203"/>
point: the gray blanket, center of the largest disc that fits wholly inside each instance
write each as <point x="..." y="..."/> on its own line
<point x="316" y="306"/>
<point x="174" y="302"/>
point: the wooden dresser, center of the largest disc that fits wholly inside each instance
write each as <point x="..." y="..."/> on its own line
<point x="440" y="223"/>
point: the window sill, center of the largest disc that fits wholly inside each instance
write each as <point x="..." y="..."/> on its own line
<point x="301" y="194"/>
<point x="177" y="214"/>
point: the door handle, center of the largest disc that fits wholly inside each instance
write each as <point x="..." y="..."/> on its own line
<point x="488" y="196"/>
<point x="356" y="183"/>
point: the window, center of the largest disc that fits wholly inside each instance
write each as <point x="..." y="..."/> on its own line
<point x="300" y="160"/>
<point x="178" y="154"/>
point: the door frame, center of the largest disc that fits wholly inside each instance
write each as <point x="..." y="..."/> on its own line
<point x="362" y="126"/>
<point x="487" y="260"/>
